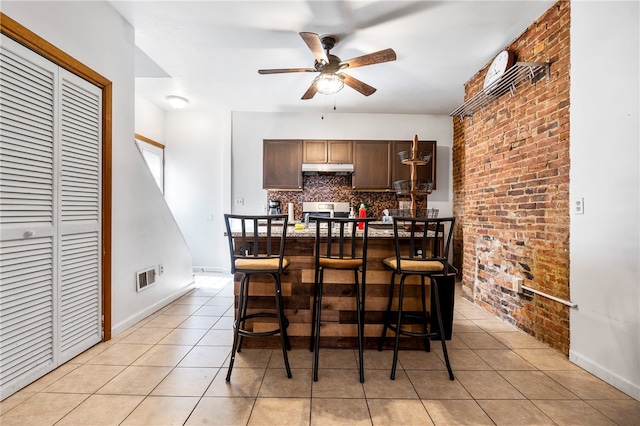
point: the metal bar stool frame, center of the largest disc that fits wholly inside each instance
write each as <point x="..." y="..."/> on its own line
<point x="340" y="240"/>
<point x="261" y="253"/>
<point x="421" y="256"/>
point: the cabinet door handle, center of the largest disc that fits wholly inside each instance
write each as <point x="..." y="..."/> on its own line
<point x="29" y="233"/>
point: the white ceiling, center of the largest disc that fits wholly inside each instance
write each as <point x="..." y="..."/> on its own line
<point x="210" y="51"/>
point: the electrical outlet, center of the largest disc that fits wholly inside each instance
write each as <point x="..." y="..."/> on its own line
<point x="239" y="201"/>
<point x="160" y="269"/>
<point x="578" y="206"/>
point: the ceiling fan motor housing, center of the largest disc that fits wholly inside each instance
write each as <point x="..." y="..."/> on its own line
<point x="332" y="67"/>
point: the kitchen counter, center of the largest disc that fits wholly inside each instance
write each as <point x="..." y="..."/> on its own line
<point x="339" y="327"/>
<point x="377" y="229"/>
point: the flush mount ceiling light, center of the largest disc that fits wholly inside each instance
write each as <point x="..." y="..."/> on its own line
<point x="177" y="102"/>
<point x="328" y="84"/>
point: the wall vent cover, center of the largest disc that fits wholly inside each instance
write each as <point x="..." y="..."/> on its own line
<point x="145" y="278"/>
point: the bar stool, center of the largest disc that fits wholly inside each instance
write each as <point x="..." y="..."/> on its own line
<point x="339" y="245"/>
<point x="260" y="251"/>
<point x="422" y="247"/>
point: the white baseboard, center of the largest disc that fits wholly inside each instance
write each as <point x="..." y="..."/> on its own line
<point x="631" y="389"/>
<point x="214" y="269"/>
<point x="197" y="269"/>
<point x="134" y="319"/>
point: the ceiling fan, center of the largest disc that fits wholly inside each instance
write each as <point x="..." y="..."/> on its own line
<point x="331" y="78"/>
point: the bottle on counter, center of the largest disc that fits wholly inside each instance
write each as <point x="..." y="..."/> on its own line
<point x="352" y="215"/>
<point x="362" y="213"/>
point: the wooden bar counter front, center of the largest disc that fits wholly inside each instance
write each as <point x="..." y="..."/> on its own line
<point x="339" y="326"/>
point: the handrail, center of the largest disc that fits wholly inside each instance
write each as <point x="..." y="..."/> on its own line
<point x="564" y="302"/>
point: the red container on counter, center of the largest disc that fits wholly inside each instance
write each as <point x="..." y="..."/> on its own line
<point x="362" y="213"/>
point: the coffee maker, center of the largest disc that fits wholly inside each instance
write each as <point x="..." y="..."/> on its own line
<point x="275" y="207"/>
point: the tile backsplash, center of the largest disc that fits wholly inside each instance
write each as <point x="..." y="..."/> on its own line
<point x="329" y="187"/>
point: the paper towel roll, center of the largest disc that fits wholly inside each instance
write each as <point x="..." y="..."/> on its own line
<point x="290" y="212"/>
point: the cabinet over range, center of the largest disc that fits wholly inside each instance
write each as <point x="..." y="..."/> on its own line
<point x="372" y="164"/>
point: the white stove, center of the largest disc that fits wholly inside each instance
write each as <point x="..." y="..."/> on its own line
<point x="324" y="208"/>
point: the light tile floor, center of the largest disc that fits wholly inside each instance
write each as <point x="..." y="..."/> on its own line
<point x="170" y="369"/>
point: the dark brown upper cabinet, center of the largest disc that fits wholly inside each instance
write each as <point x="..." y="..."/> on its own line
<point x="282" y="164"/>
<point x="372" y="165"/>
<point x="327" y="151"/>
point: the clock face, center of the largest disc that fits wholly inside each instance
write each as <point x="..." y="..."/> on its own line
<point x="499" y="65"/>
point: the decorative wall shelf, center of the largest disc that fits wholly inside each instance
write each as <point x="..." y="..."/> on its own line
<point x="519" y="72"/>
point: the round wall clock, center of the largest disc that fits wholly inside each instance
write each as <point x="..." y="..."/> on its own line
<point x="500" y="64"/>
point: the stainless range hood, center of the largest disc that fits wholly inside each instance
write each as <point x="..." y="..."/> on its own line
<point x="327" y="168"/>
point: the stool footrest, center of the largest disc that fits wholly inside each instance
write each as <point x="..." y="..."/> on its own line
<point x="413" y="333"/>
<point x="390" y="325"/>
<point x="243" y="332"/>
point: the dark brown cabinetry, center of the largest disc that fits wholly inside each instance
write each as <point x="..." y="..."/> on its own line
<point x="314" y="152"/>
<point x="372" y="165"/>
<point x="324" y="151"/>
<point x="376" y="163"/>
<point x="425" y="172"/>
<point x="340" y="152"/>
<point x="282" y="164"/>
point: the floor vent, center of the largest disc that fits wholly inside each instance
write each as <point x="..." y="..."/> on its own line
<point x="145" y="278"/>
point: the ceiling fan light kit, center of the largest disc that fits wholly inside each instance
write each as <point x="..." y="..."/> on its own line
<point x="331" y="79"/>
<point x="328" y="84"/>
<point x="177" y="102"/>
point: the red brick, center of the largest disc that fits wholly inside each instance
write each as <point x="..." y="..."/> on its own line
<point x="510" y="185"/>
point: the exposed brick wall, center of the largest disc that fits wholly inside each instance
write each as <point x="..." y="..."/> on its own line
<point x="511" y="189"/>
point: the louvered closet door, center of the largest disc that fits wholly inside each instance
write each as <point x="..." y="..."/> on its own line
<point x="79" y="224"/>
<point x="27" y="216"/>
<point x="49" y="216"/>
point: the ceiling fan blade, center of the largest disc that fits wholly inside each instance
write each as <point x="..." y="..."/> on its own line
<point x="385" y="55"/>
<point x="358" y="85"/>
<point x="315" y="45"/>
<point x="283" y="70"/>
<point x="310" y="93"/>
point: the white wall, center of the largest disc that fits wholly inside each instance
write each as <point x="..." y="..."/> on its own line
<point x="197" y="181"/>
<point x="144" y="233"/>
<point x="150" y="120"/>
<point x="605" y="164"/>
